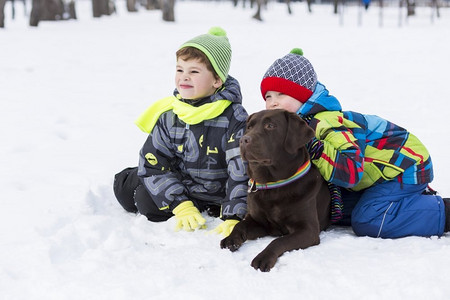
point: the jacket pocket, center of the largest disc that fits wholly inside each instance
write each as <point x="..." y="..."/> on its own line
<point x="384" y="170"/>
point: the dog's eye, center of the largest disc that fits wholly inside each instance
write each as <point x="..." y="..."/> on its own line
<point x="270" y="126"/>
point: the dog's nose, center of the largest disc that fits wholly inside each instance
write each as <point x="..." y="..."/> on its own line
<point x="245" y="139"/>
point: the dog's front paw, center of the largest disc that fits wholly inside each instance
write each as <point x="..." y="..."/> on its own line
<point x="232" y="242"/>
<point x="264" y="261"/>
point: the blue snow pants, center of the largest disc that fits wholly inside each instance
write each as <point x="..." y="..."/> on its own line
<point x="394" y="210"/>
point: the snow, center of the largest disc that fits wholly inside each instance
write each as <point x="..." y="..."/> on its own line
<point x="71" y="90"/>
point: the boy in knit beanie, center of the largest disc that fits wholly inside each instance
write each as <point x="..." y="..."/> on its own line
<point x="380" y="171"/>
<point x="190" y="162"/>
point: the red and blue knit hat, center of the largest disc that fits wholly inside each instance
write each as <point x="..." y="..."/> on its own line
<point x="292" y="75"/>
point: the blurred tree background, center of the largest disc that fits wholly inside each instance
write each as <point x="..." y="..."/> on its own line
<point x="60" y="10"/>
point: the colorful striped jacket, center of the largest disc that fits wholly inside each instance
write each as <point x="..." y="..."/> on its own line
<point x="362" y="150"/>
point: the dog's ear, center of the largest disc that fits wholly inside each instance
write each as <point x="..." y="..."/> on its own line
<point x="248" y="120"/>
<point x="298" y="133"/>
<point x="249" y="117"/>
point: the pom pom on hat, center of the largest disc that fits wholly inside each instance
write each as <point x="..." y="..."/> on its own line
<point x="217" y="31"/>
<point x="216" y="47"/>
<point x="292" y="75"/>
<point x="297" y="51"/>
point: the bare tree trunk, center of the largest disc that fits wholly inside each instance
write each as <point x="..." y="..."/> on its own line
<point x="410" y="7"/>
<point x="131" y="6"/>
<point x="309" y="5"/>
<point x="168" y="12"/>
<point x="380" y="21"/>
<point x="336" y="4"/>
<point x="257" y="15"/>
<point x="72" y="11"/>
<point x="435" y="5"/>
<point x="35" y="12"/>
<point x="13" y="9"/>
<point x="152" y="4"/>
<point x="288" y="3"/>
<point x="96" y="9"/>
<point x="102" y="7"/>
<point x="2" y="13"/>
<point x="108" y="7"/>
<point x="51" y="10"/>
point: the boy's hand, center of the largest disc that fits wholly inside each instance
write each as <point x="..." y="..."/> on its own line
<point x="315" y="148"/>
<point x="188" y="217"/>
<point x="226" y="227"/>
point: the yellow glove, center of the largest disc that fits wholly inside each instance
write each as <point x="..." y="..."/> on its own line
<point x="226" y="227"/>
<point x="188" y="217"/>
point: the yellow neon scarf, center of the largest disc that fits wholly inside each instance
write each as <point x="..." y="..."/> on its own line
<point x="187" y="113"/>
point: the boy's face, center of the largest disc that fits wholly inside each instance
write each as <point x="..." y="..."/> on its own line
<point x="275" y="100"/>
<point x="194" y="81"/>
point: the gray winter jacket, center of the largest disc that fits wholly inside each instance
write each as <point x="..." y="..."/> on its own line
<point x="199" y="162"/>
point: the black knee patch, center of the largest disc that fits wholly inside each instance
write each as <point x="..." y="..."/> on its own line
<point x="147" y="207"/>
<point x="125" y="184"/>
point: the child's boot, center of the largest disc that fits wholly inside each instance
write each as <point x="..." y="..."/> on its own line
<point x="447" y="214"/>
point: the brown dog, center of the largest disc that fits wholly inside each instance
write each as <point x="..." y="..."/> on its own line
<point x="296" y="207"/>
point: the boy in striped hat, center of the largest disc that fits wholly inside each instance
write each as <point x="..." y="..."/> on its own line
<point x="191" y="161"/>
<point x="381" y="169"/>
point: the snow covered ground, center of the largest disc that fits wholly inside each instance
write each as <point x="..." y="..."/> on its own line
<point x="70" y="91"/>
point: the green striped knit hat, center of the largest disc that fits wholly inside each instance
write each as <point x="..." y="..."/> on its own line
<point x="216" y="47"/>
